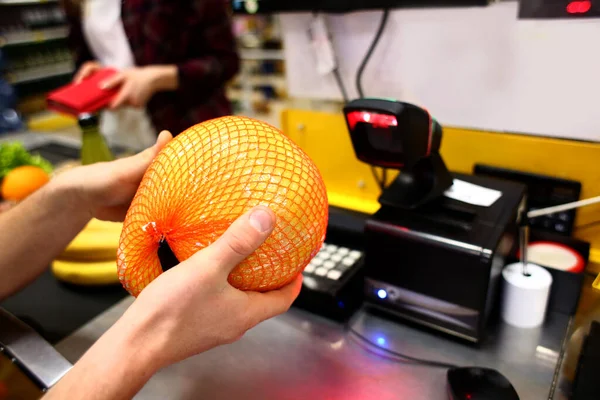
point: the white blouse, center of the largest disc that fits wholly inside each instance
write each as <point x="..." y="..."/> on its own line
<point x="104" y="33"/>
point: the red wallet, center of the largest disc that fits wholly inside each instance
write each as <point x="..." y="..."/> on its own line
<point x="84" y="97"/>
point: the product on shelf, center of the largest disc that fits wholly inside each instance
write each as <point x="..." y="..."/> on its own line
<point x="33" y="37"/>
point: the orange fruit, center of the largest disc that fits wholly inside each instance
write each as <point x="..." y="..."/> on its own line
<point x="207" y="177"/>
<point x="22" y="181"/>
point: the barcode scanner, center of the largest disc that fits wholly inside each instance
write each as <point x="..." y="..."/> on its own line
<point x="401" y="136"/>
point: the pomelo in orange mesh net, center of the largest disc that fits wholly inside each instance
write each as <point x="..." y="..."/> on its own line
<point x="208" y="176"/>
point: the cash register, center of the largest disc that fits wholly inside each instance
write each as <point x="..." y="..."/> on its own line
<point x="434" y="251"/>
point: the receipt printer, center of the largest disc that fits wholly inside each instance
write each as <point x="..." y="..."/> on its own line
<point x="435" y="249"/>
<point x="440" y="265"/>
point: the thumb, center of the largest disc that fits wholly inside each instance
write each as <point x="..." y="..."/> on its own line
<point x="240" y="240"/>
<point x="112" y="81"/>
<point x="137" y="164"/>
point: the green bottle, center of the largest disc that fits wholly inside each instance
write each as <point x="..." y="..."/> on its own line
<point x="93" y="146"/>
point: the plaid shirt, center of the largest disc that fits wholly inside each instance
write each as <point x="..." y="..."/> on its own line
<point x="194" y="35"/>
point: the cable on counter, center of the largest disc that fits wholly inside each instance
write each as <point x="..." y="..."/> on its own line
<point x="430" y="363"/>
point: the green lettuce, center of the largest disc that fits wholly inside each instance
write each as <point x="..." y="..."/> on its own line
<point x="14" y="154"/>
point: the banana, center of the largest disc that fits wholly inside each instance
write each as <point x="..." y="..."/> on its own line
<point x="97" y="225"/>
<point x="92" y="246"/>
<point x="90" y="258"/>
<point x="98" y="241"/>
<point x="86" y="273"/>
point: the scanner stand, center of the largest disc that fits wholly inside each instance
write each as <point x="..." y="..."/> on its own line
<point x="419" y="184"/>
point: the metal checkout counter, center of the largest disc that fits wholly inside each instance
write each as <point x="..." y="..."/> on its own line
<point x="301" y="355"/>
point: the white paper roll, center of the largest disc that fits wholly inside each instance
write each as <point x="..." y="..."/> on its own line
<point x="525" y="298"/>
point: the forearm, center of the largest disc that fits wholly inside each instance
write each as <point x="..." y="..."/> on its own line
<point x="36" y="231"/>
<point x="116" y="367"/>
<point x="166" y="77"/>
<point x="194" y="74"/>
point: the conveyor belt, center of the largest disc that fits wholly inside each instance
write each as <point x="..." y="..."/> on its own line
<point x="56" y="310"/>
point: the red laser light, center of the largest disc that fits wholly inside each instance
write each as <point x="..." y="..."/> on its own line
<point x="375" y="119"/>
<point x="585" y="6"/>
<point x="579" y="7"/>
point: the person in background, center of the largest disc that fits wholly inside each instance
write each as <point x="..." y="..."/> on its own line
<point x="187" y="310"/>
<point x="174" y="58"/>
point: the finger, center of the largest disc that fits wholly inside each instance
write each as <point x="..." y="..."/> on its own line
<point x="241" y="239"/>
<point x="79" y="76"/>
<point x="163" y="138"/>
<point x="145" y="157"/>
<point x="140" y="99"/>
<point x="135" y="100"/>
<point x="113" y="81"/>
<point x="85" y="71"/>
<point x="137" y="164"/>
<point x="135" y="103"/>
<point x="119" y="100"/>
<point x="270" y="304"/>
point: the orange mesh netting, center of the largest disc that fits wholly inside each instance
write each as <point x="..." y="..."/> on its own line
<point x="207" y="177"/>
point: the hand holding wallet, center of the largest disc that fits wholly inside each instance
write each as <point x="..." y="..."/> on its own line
<point x="84" y="97"/>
